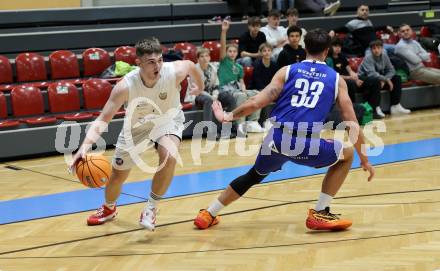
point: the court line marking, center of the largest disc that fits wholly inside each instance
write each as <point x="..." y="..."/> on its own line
<point x="190" y="220"/>
<point x="227" y="249"/>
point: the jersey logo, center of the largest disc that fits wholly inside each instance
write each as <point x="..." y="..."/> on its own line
<point x="163" y="95"/>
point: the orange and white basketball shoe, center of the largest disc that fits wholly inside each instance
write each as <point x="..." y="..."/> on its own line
<point x="102" y="215"/>
<point x="148" y="218"/>
<point x="324" y="220"/>
<point x="205" y="220"/>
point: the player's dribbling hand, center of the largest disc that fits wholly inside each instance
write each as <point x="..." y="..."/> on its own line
<point x="80" y="155"/>
<point x="366" y="166"/>
<point x="218" y="111"/>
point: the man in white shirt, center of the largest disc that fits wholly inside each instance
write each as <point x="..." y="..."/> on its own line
<point x="275" y="34"/>
<point x="414" y="55"/>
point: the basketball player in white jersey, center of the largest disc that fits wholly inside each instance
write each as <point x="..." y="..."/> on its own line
<point x="153" y="114"/>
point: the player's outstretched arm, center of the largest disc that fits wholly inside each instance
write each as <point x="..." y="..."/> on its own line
<point x="269" y="94"/>
<point x="187" y="67"/>
<point x="355" y="133"/>
<point x="118" y="96"/>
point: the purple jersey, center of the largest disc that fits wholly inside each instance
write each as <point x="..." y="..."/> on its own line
<point x="309" y="92"/>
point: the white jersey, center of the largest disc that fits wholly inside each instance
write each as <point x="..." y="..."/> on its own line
<point x="157" y="105"/>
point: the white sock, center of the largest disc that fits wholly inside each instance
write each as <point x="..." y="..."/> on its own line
<point x="215" y="207"/>
<point x="153" y="200"/>
<point x="323" y="201"/>
<point x="110" y="205"/>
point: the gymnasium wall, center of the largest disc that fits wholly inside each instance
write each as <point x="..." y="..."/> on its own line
<point x="40" y="4"/>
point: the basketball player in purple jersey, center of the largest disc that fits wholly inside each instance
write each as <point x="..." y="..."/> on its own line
<point x="304" y="94"/>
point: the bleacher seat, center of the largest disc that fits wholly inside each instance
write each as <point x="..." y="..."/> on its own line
<point x="214" y="49"/>
<point x="248" y="73"/>
<point x="387" y="37"/>
<point x="164" y="49"/>
<point x="5" y="70"/>
<point x="188" y="50"/>
<point x="5" y="124"/>
<point x="126" y="54"/>
<point x="30" y="67"/>
<point x="434" y="63"/>
<point x="183" y="90"/>
<point x="425" y="32"/>
<point x="355" y="62"/>
<point x="28" y="101"/>
<point x="95" y="61"/>
<point x="64" y="98"/>
<point x="63" y="64"/>
<point x="96" y="93"/>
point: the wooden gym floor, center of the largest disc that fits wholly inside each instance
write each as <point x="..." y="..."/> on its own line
<point x="396" y="218"/>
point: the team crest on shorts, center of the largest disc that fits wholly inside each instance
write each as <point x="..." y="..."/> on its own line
<point x="163" y="95"/>
<point x="119" y="161"/>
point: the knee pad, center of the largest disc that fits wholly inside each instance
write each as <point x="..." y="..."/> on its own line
<point x="246" y="181"/>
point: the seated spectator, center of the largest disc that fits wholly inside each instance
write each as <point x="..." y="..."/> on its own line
<point x="250" y="41"/>
<point x="363" y="31"/>
<point x="338" y="61"/>
<point x="230" y="76"/>
<point x="292" y="52"/>
<point x="275" y="34"/>
<point x="211" y="91"/>
<point x="264" y="68"/>
<point x="292" y="19"/>
<point x="378" y="73"/>
<point x="414" y="55"/>
<point x="283" y="5"/>
<point x="319" y="6"/>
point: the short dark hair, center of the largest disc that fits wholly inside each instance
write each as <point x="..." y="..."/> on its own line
<point x="292" y="12"/>
<point x="274" y="13"/>
<point x="254" y="21"/>
<point x="265" y="45"/>
<point x="316" y="41"/>
<point x="376" y="43"/>
<point x="404" y="24"/>
<point x="336" y="42"/>
<point x="294" y="28"/>
<point x="148" y="46"/>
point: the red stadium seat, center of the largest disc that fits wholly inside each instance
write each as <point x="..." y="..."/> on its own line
<point x="5" y="70"/>
<point x="434" y="63"/>
<point x="248" y="72"/>
<point x="126" y="54"/>
<point x="95" y="61"/>
<point x="96" y="93"/>
<point x="188" y="50"/>
<point x="30" y="67"/>
<point x="183" y="90"/>
<point x="5" y="124"/>
<point x="28" y="101"/>
<point x="63" y="64"/>
<point x="425" y="32"/>
<point x="64" y="97"/>
<point x="214" y="48"/>
<point x="354" y="63"/>
<point x="164" y="49"/>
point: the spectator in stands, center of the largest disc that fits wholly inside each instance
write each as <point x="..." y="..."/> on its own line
<point x="378" y="73"/>
<point x="211" y="91"/>
<point x="264" y="67"/>
<point x="275" y="34"/>
<point x="363" y="30"/>
<point x="230" y="76"/>
<point x="338" y="61"/>
<point x="244" y="5"/>
<point x="292" y="15"/>
<point x="414" y="55"/>
<point x="292" y="52"/>
<point x="283" y="5"/>
<point x="250" y="41"/>
<point x="319" y="6"/>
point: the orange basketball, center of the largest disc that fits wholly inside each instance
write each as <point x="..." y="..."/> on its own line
<point x="94" y="171"/>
